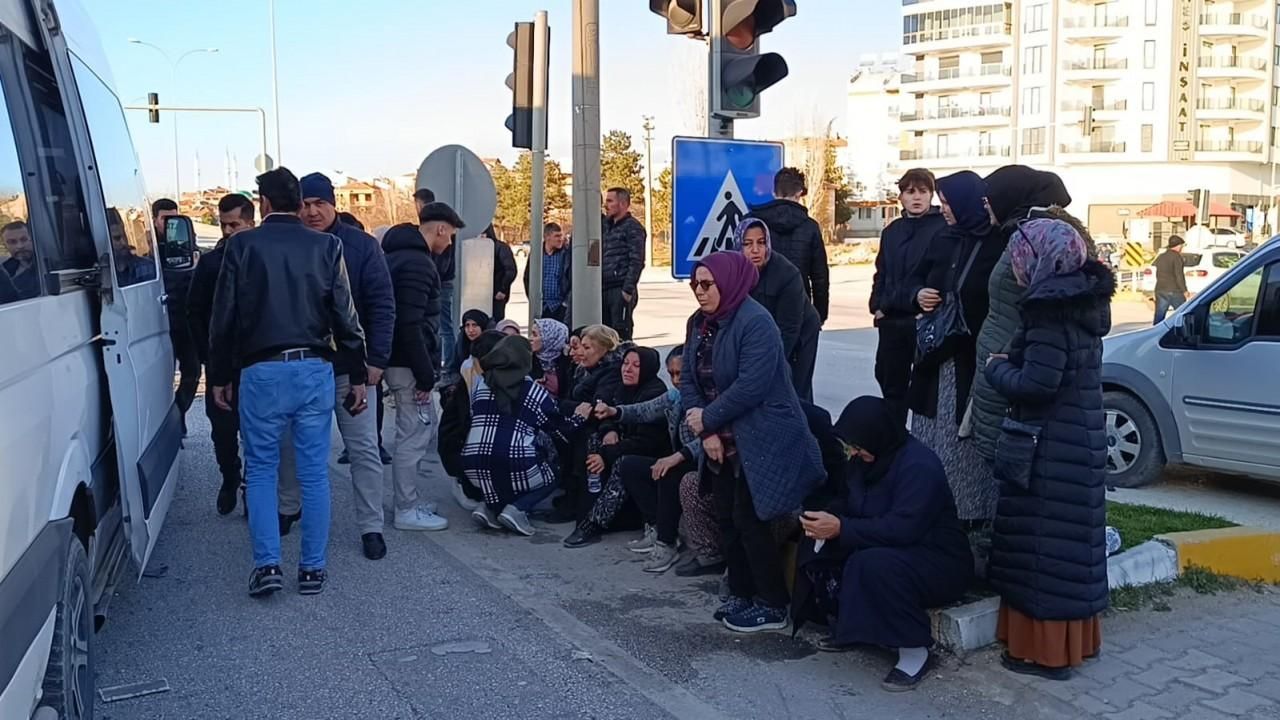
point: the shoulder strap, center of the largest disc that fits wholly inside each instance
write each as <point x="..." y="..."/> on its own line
<point x="968" y="265"/>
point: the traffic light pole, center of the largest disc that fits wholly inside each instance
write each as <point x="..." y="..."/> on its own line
<point x="262" y="116"/>
<point x="586" y="162"/>
<point x="717" y="127"/>
<point x="539" y="152"/>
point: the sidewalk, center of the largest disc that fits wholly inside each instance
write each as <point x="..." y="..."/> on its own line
<point x="1210" y="657"/>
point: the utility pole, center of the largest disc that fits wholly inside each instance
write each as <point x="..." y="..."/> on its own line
<point x="539" y="156"/>
<point x="648" y="189"/>
<point x="275" y="86"/>
<point x="586" y="162"/>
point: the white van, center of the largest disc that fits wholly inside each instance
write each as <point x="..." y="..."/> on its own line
<point x="1201" y="387"/>
<point x="89" y="432"/>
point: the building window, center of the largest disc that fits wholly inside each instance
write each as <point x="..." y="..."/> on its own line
<point x="993" y="58"/>
<point x="1035" y="18"/>
<point x="1151" y="11"/>
<point x="944" y="143"/>
<point x="1148" y="96"/>
<point x="1033" y="141"/>
<point x="1031" y="101"/>
<point x="1033" y="60"/>
<point x="991" y="19"/>
<point x="1149" y="54"/>
<point x="1147" y="132"/>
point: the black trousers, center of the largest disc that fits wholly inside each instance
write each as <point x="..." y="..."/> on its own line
<point x="659" y="501"/>
<point x="225" y="431"/>
<point x="895" y="353"/>
<point x="499" y="310"/>
<point x="561" y="313"/>
<point x="188" y="359"/>
<point x="617" y="313"/>
<point x="748" y="544"/>
<point x="803" y="363"/>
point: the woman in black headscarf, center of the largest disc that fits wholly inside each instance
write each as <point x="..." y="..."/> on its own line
<point x="887" y="549"/>
<point x="619" y="448"/>
<point x="956" y="270"/>
<point x="474" y="322"/>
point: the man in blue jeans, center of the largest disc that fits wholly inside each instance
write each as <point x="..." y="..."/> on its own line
<point x="1171" y="279"/>
<point x="282" y="304"/>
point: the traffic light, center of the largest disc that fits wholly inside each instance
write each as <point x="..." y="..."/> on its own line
<point x="153" y="114"/>
<point x="520" y="122"/>
<point x="684" y="17"/>
<point x="740" y="72"/>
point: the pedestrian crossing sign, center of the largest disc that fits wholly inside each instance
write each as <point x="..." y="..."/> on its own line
<point x="715" y="183"/>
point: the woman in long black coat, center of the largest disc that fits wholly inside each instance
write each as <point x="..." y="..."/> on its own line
<point x="892" y="545"/>
<point x="1048" y="548"/>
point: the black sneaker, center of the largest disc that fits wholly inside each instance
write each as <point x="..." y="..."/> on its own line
<point x="266" y="580"/>
<point x="696" y="566"/>
<point x="227" y="497"/>
<point x="386" y="456"/>
<point x="899" y="681"/>
<point x="287" y="521"/>
<point x="582" y="536"/>
<point x="311" y="582"/>
<point x="375" y="548"/>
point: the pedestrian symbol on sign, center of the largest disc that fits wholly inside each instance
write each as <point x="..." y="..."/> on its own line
<point x="721" y="220"/>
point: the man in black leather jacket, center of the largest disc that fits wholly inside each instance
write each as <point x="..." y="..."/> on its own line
<point x="282" y="305"/>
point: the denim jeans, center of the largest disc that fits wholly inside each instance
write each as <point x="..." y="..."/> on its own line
<point x="1166" y="302"/>
<point x="275" y="395"/>
<point x="448" y="324"/>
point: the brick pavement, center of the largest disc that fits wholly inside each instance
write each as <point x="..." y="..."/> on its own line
<point x="1207" y="658"/>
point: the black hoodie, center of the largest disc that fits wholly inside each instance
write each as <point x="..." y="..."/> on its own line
<point x="904" y="244"/>
<point x="416" y="284"/>
<point x="799" y="239"/>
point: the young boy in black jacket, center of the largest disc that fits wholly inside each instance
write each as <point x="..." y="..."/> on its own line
<point x="903" y="245"/>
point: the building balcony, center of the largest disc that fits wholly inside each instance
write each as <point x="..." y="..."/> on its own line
<point x="1231" y="109"/>
<point x="1077" y="106"/>
<point x="991" y="153"/>
<point x="989" y="75"/>
<point x="955" y="117"/>
<point x="1093" y="147"/>
<point x="1093" y="28"/>
<point x="969" y="38"/>
<point x="1235" y="67"/>
<point x="1230" y="147"/>
<point x="1094" y="69"/>
<point x="1234" y="25"/>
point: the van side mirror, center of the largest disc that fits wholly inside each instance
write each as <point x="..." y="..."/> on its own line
<point x="178" y="252"/>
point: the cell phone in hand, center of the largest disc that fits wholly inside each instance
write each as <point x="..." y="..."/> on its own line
<point x="349" y="403"/>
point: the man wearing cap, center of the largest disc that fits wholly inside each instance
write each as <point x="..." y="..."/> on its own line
<point x="376" y="309"/>
<point x="1171" y="279"/>
<point x="446" y="266"/>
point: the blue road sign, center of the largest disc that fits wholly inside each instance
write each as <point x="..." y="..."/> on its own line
<point x="715" y="183"/>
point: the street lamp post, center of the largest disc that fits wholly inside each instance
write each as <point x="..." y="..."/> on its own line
<point x="275" y="84"/>
<point x="173" y="89"/>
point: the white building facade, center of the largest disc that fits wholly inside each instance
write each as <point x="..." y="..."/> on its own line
<point x="1131" y="101"/>
<point x="874" y="134"/>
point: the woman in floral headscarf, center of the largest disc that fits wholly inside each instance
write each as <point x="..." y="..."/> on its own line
<point x="780" y="290"/>
<point x="1048" y="547"/>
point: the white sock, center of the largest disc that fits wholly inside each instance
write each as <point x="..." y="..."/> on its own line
<point x="910" y="660"/>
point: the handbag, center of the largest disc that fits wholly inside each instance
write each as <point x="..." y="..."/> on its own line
<point x="946" y="320"/>
<point x="1015" y="452"/>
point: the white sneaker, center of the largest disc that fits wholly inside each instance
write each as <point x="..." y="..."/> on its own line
<point x="645" y="542"/>
<point x="515" y="520"/>
<point x="461" y="498"/>
<point x="419" y="518"/>
<point x="485" y="518"/>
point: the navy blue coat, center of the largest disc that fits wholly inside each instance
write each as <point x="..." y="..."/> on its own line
<point x="371" y="289"/>
<point x="1048" y="549"/>
<point x="755" y="398"/>
<point x="904" y="245"/>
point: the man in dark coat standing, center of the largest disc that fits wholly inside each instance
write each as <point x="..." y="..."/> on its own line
<point x="1171" y="279"/>
<point x="176" y="285"/>
<point x="504" y="274"/>
<point x="797" y="237"/>
<point x="622" y="262"/>
<point x="235" y="214"/>
<point x="376" y="308"/>
<point x="903" y="246"/>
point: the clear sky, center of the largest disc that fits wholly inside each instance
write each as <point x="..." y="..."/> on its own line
<point x="369" y="87"/>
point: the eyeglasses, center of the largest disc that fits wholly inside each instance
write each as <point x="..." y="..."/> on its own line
<point x="704" y="285"/>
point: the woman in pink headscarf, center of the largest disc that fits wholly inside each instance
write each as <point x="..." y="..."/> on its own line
<point x="760" y="459"/>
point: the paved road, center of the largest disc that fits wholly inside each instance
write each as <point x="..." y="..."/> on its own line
<point x="469" y="623"/>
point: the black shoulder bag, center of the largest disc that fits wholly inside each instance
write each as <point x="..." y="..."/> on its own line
<point x="946" y="320"/>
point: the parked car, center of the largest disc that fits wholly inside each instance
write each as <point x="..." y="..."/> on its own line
<point x="1199" y="388"/>
<point x="1201" y="268"/>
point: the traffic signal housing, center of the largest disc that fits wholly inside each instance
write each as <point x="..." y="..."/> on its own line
<point x="684" y="17"/>
<point x="520" y="122"/>
<point x="740" y="72"/>
<point x="153" y="113"/>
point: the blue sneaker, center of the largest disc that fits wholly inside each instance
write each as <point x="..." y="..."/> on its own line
<point x="757" y="618"/>
<point x="732" y="606"/>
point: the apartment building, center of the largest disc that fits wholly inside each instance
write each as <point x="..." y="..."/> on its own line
<point x="874" y="133"/>
<point x="1132" y="101"/>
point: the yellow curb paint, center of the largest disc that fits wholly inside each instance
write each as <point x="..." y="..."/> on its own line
<point x="1243" y="552"/>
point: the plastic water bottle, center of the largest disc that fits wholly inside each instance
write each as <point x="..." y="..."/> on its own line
<point x="593" y="483"/>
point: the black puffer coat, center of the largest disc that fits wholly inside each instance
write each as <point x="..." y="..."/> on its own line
<point x="798" y="238"/>
<point x="781" y="291"/>
<point x="1048" y="549"/>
